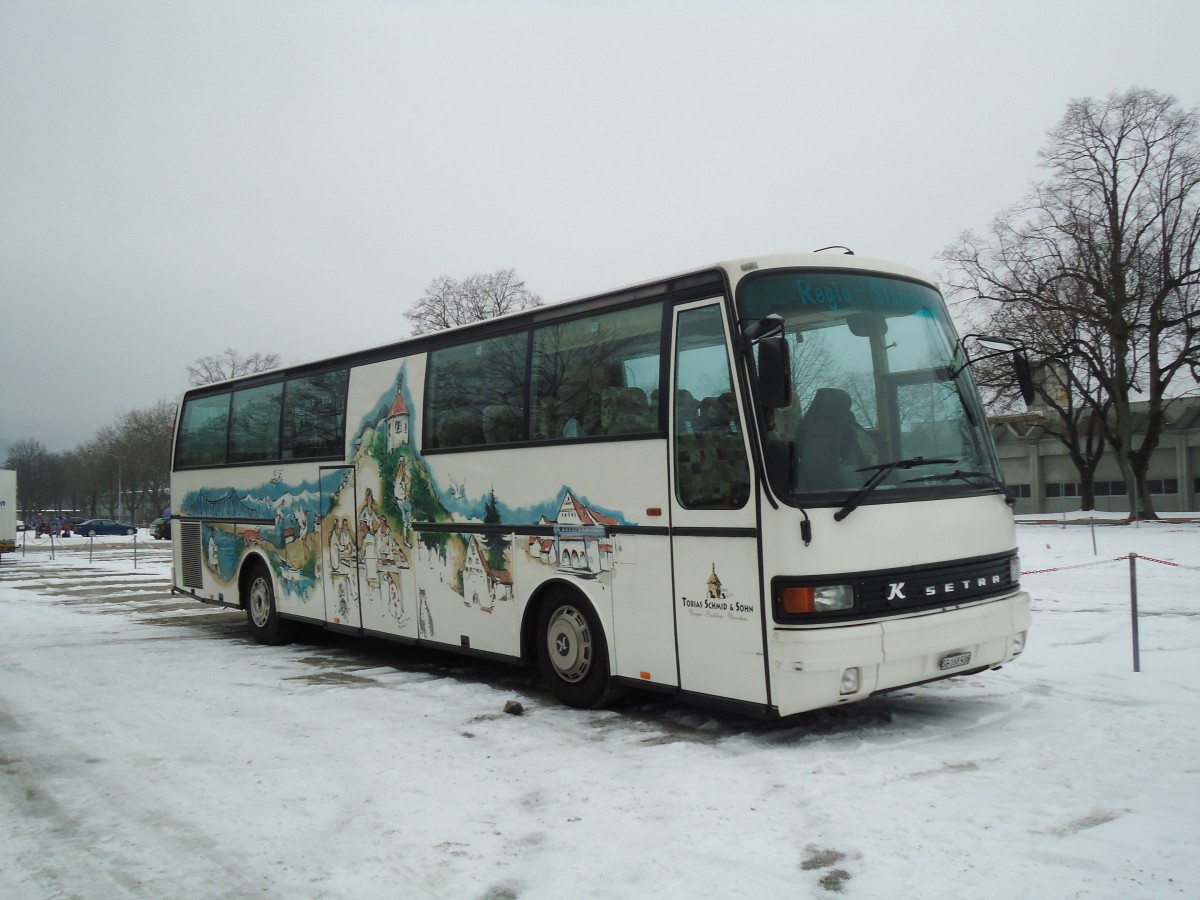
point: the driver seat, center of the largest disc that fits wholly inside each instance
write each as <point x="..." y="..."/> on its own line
<point x="830" y="440"/>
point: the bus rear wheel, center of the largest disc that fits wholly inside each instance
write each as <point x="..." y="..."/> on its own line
<point x="572" y="654"/>
<point x="258" y="597"/>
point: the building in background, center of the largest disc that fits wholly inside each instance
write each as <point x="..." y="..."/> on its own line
<point x="1040" y="472"/>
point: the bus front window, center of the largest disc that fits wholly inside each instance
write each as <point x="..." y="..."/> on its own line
<point x="875" y="380"/>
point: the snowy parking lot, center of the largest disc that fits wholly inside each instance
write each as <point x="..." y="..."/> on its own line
<point x="149" y="748"/>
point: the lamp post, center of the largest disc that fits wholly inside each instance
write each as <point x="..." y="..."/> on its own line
<point x="118" y="459"/>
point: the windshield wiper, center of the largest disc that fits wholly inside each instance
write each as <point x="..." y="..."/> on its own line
<point x="879" y="472"/>
<point x="967" y="476"/>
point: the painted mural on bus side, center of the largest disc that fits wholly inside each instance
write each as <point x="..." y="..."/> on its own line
<point x="290" y="539"/>
<point x="353" y="533"/>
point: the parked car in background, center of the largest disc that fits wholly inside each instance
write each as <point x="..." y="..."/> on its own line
<point x="160" y="528"/>
<point x="103" y="526"/>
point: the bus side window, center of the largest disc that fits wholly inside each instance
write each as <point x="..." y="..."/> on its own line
<point x="477" y="392"/>
<point x="254" y="423"/>
<point x="314" y="415"/>
<point x="203" y="431"/>
<point x="595" y="375"/>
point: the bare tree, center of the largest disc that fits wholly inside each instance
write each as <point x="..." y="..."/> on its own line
<point x="143" y="443"/>
<point x="1075" y="405"/>
<point x="123" y="471"/>
<point x="1108" y="243"/>
<point x="229" y="364"/>
<point x="448" y="303"/>
<point x="91" y="477"/>
<point x="32" y="462"/>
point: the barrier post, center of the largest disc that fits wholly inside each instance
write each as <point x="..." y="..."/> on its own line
<point x="1133" y="609"/>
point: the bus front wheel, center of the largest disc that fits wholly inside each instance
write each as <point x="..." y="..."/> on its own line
<point x="572" y="654"/>
<point x="258" y="597"/>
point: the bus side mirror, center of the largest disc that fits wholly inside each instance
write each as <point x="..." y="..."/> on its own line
<point x="1020" y="361"/>
<point x="774" y="372"/>
<point x="1024" y="375"/>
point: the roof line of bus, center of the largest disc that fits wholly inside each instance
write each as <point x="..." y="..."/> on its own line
<point x="730" y="271"/>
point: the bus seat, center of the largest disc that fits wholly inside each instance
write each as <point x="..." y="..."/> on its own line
<point x="502" y="424"/>
<point x="624" y="410"/>
<point x="829" y="440"/>
<point x="711" y="470"/>
<point x="459" y="428"/>
<point x="718" y="413"/>
<point x="546" y="421"/>
<point x="687" y="412"/>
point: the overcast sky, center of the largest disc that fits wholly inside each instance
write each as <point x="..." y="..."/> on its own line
<point x="289" y="175"/>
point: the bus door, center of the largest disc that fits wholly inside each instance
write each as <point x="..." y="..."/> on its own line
<point x="714" y="539"/>
<point x="340" y="554"/>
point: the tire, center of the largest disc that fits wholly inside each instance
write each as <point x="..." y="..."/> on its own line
<point x="572" y="653"/>
<point x="91" y="533"/>
<point x="129" y="532"/>
<point x="258" y="597"/>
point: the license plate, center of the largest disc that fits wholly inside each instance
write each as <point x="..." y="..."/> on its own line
<point x="953" y="662"/>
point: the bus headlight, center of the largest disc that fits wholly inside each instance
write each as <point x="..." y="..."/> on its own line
<point x="1014" y="570"/>
<point x="796" y="600"/>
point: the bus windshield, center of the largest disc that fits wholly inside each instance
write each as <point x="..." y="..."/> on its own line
<point x="878" y="391"/>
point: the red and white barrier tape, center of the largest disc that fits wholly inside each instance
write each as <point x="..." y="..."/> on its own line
<point x="1104" y="562"/>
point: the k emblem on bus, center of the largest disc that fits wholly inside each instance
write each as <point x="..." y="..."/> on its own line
<point x="896" y="591"/>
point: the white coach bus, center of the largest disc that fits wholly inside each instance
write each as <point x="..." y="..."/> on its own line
<point x="767" y="485"/>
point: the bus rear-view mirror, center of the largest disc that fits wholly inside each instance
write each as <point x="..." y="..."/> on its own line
<point x="774" y="372"/>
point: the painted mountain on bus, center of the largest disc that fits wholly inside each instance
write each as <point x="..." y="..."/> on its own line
<point x="292" y="507"/>
<point x="278" y="518"/>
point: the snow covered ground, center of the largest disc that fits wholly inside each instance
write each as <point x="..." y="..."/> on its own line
<point x="148" y="748"/>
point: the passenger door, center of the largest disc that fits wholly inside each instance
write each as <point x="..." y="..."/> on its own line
<point x="340" y="551"/>
<point x="714" y="547"/>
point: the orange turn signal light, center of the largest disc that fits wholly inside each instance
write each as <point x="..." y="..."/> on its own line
<point x="797" y="600"/>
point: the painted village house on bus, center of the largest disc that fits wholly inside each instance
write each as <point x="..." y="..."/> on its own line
<point x="580" y="544"/>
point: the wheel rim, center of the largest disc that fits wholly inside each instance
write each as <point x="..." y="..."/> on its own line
<point x="260" y="601"/>
<point x="569" y="644"/>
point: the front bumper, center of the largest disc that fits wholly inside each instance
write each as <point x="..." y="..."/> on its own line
<point x="807" y="664"/>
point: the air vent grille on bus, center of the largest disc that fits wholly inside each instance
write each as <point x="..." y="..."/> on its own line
<point x="191" y="550"/>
